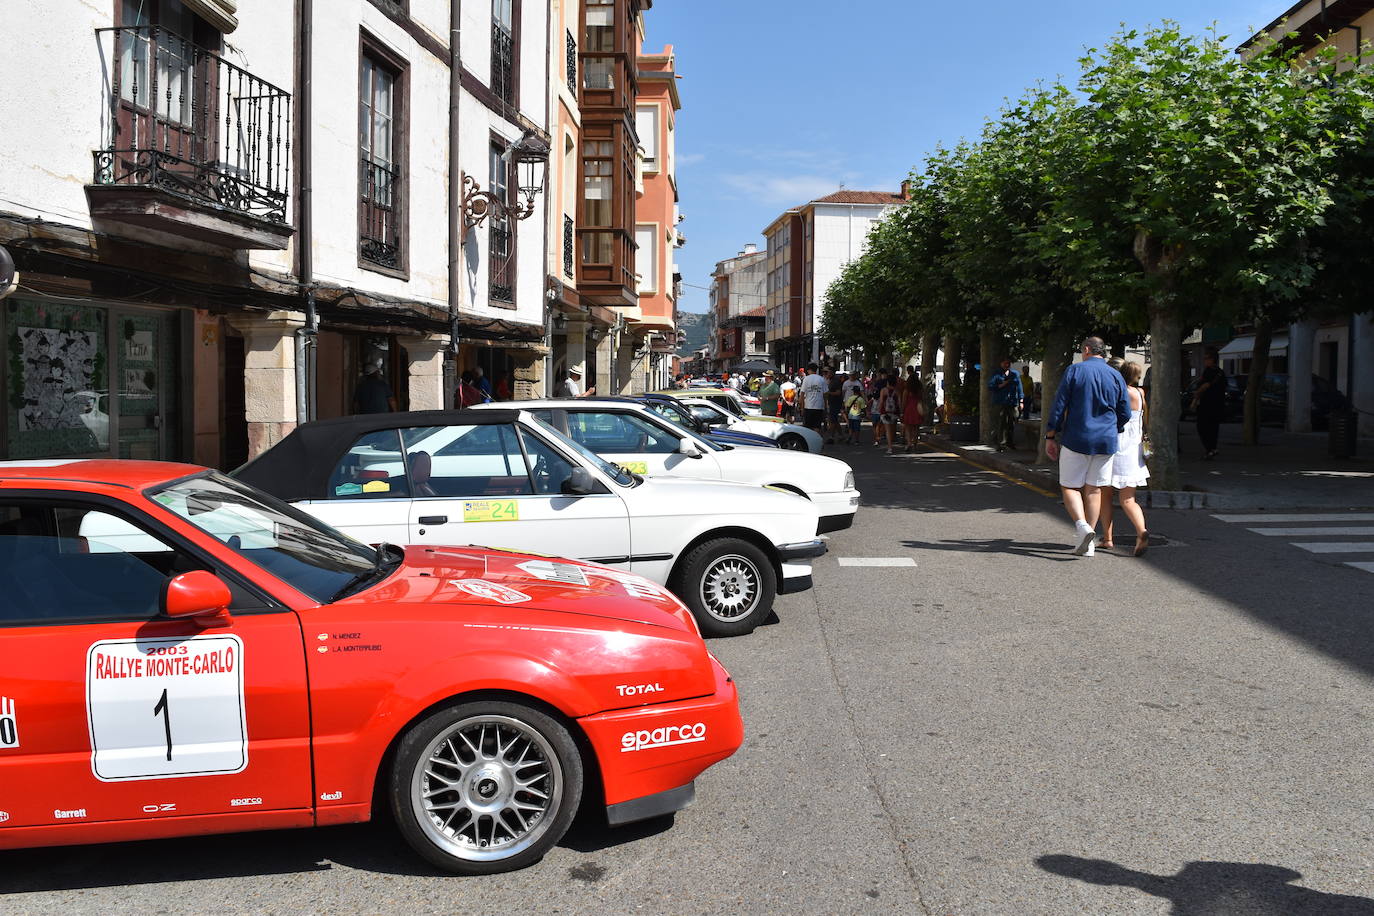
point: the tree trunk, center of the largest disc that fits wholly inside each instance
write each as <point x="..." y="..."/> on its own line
<point x="1259" y="365"/>
<point x="1166" y="336"/>
<point x="951" y="369"/>
<point x="1058" y="352"/>
<point x="989" y="353"/>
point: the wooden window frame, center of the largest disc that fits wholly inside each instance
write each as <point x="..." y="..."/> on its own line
<point x="370" y="46"/>
<point x="511" y="268"/>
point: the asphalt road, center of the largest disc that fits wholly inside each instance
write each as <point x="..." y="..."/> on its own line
<point x="1002" y="728"/>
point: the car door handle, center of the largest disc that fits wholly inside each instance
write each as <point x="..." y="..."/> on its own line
<point x="433" y="519"/>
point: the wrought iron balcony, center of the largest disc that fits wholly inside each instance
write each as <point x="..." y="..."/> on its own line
<point x="191" y="143"/>
<point x="572" y="62"/>
<point x="569" y="246"/>
<point x="502" y="63"/>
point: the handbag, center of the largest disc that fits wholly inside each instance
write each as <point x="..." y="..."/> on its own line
<point x="1147" y="450"/>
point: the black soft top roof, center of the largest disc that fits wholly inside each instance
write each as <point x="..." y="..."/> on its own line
<point x="298" y="467"/>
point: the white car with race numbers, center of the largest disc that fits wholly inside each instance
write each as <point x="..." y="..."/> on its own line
<point x="788" y="435"/>
<point x="640" y="440"/>
<point x="503" y="478"/>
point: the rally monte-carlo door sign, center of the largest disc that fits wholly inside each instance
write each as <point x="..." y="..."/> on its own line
<point x="165" y="708"/>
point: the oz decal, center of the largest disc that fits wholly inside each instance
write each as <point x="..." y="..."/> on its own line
<point x="9" y="724"/>
<point x="491" y="591"/>
<point x="165" y="708"/>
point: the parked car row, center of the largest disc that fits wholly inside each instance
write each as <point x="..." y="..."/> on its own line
<point x="188" y="652"/>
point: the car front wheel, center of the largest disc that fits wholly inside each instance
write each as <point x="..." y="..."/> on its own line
<point x="729" y="585"/>
<point x="792" y="441"/>
<point x="485" y="787"/>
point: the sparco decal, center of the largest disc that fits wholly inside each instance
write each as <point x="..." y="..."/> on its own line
<point x="9" y="724"/>
<point x="664" y="736"/>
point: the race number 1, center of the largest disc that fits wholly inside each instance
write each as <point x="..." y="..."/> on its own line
<point x="164" y="708"/>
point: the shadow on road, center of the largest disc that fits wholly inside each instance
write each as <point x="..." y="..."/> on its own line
<point x="1216" y="888"/>
<point x="375" y="847"/>
<point x="1057" y="551"/>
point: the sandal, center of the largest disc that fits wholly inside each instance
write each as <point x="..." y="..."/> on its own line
<point x="1142" y="543"/>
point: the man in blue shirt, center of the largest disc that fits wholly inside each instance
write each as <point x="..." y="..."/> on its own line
<point x="1090" y="408"/>
<point x="1006" y="401"/>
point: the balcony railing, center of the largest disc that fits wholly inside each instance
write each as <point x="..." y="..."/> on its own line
<point x="569" y="246"/>
<point x="379" y="230"/>
<point x="572" y="62"/>
<point x="182" y="119"/>
<point x="500" y="249"/>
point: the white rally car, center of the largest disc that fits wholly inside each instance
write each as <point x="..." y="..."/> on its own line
<point x="787" y="435"/>
<point x="501" y="478"/>
<point x="641" y="441"/>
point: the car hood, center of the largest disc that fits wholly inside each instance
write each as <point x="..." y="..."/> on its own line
<point x="488" y="577"/>
<point x="723" y="499"/>
<point x="823" y="472"/>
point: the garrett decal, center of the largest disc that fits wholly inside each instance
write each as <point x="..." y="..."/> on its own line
<point x="60" y="814"/>
<point x="331" y="796"/>
<point x="9" y="724"/>
<point x="663" y="736"/>
<point x="630" y="690"/>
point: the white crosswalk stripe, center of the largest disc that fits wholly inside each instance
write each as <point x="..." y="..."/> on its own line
<point x="1315" y="525"/>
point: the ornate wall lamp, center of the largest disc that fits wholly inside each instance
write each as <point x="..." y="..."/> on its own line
<point x="531" y="157"/>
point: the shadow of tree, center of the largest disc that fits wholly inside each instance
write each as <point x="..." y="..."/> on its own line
<point x="1215" y="888"/>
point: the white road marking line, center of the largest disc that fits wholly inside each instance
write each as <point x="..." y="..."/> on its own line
<point x="1338" y="547"/>
<point x="1367" y="567"/>
<point x="1330" y="517"/>
<point x="1311" y="532"/>
<point x="877" y="561"/>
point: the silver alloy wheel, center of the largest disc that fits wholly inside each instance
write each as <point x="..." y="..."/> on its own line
<point x="730" y="587"/>
<point x="488" y="788"/>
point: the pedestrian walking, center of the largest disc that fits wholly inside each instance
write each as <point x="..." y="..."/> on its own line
<point x="813" y="398"/>
<point x="855" y="407"/>
<point x="913" y="409"/>
<point x="788" y="390"/>
<point x="1090" y="409"/>
<point x="834" y="406"/>
<point x="1210" y="403"/>
<point x="1027" y="392"/>
<point x="1006" y="402"/>
<point x="1128" y="464"/>
<point x="889" y="411"/>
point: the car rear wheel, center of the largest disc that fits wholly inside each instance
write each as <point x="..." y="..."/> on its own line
<point x="485" y="787"/>
<point x="793" y="441"/>
<point x="729" y="585"/>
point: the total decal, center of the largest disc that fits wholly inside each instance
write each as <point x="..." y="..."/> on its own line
<point x="166" y="708"/>
<point x="663" y="736"/>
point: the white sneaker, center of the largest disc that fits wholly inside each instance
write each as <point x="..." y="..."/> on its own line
<point x="1086" y="545"/>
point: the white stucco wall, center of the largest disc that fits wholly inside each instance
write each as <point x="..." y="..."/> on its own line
<point x="841" y="233"/>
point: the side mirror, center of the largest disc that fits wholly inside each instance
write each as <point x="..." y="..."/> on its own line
<point x="579" y="482"/>
<point x="689" y="448"/>
<point x="199" y="595"/>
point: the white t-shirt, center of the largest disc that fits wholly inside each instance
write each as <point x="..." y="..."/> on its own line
<point x="850" y="386"/>
<point x="734" y="382"/>
<point x="570" y="389"/>
<point x="813" y="392"/>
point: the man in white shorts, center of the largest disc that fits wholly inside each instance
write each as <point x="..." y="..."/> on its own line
<point x="1090" y="409"/>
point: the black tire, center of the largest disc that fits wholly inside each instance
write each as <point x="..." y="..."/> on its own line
<point x="728" y="584"/>
<point x="504" y="826"/>
<point x="793" y="442"/>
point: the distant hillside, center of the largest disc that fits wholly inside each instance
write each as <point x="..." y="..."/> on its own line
<point x="695" y="326"/>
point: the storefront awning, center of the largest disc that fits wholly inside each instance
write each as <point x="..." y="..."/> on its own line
<point x="1244" y="347"/>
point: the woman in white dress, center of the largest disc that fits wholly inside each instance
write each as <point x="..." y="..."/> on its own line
<point x="1128" y="465"/>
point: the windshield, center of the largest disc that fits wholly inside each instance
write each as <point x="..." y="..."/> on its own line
<point x="613" y="471"/>
<point x="301" y="551"/>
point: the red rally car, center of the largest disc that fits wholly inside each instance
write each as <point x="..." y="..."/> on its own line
<point x="181" y="654"/>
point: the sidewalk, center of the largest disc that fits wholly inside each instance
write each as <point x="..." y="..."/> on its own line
<point x="1286" y="471"/>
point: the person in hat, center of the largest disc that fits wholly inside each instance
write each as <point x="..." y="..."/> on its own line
<point x="372" y="394"/>
<point x="572" y="385"/>
<point x="769" y="394"/>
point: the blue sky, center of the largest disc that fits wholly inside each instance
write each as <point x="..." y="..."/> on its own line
<point x="784" y="100"/>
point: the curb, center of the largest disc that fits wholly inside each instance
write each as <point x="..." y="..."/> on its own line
<point x="1043" y="476"/>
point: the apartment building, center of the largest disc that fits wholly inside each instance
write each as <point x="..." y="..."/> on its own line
<point x="739" y="306"/>
<point x="222" y="211"/>
<point x="807" y="247"/>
